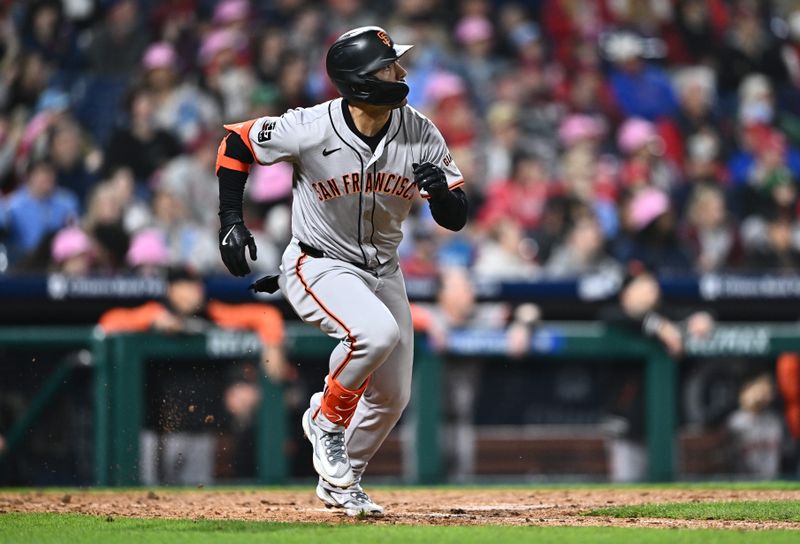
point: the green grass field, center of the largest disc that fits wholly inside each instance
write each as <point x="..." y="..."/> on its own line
<point x="76" y="529"/>
<point x="734" y="510"/>
<point x="765" y="515"/>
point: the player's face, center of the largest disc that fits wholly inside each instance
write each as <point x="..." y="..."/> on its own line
<point x="186" y="296"/>
<point x="394" y="73"/>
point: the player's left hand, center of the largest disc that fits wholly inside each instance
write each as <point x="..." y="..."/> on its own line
<point x="431" y="179"/>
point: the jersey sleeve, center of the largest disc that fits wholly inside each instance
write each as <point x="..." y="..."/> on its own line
<point x="270" y="139"/>
<point x="435" y="151"/>
<point x="131" y="319"/>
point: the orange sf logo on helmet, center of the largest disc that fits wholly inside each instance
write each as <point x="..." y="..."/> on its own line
<point x="382" y="36"/>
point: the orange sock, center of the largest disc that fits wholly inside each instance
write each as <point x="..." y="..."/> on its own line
<point x="787" y="373"/>
<point x="338" y="403"/>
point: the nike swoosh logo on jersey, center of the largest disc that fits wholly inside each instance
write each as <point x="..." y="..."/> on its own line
<point x="325" y="152"/>
<point x="225" y="239"/>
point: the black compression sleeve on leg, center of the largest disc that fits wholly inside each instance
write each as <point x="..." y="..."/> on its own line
<point x="451" y="210"/>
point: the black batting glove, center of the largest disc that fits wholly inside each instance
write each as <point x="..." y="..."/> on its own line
<point x="431" y="178"/>
<point x="233" y="239"/>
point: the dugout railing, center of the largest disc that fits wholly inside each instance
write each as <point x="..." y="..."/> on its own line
<point x="119" y="360"/>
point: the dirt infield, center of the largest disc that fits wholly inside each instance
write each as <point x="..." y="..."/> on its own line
<point x="412" y="506"/>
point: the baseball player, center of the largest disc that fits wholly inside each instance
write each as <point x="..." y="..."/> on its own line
<point x="359" y="163"/>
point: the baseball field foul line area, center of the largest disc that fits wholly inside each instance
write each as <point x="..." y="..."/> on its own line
<point x="464" y="515"/>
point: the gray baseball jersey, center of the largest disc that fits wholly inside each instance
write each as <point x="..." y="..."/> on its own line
<point x="348" y="201"/>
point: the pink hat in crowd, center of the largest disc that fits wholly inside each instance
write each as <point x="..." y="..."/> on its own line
<point x="635" y="133"/>
<point x="647" y="205"/>
<point x="159" y="55"/>
<point x="231" y="10"/>
<point x="70" y="242"/>
<point x="148" y="248"/>
<point x="580" y="126"/>
<point x="215" y="42"/>
<point x="473" y="29"/>
<point x="443" y="85"/>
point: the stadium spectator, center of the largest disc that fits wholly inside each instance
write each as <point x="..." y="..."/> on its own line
<point x="504" y="138"/>
<point x="588" y="175"/>
<point x="148" y="254"/>
<point x="179" y="107"/>
<point x="507" y="254"/>
<point x="696" y="113"/>
<point x="748" y="49"/>
<point x="76" y="161"/>
<point x="227" y="78"/>
<point x="104" y="222"/>
<point x="777" y="250"/>
<point x="582" y="252"/>
<point x="476" y="62"/>
<point x="641" y="89"/>
<point x="640" y="310"/>
<point x="38" y="208"/>
<point x="700" y="26"/>
<point x="654" y="238"/>
<point x="190" y="177"/>
<point x="189" y="243"/>
<point x="757" y="430"/>
<point x="522" y="197"/>
<point x="118" y="42"/>
<point x="712" y="238"/>
<point x="72" y="253"/>
<point x="141" y="145"/>
<point x="645" y="164"/>
<point x="136" y="212"/>
<point x="47" y="32"/>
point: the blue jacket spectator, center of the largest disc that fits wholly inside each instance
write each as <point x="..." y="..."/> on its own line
<point x="641" y="89"/>
<point x="37" y="209"/>
<point x="645" y="93"/>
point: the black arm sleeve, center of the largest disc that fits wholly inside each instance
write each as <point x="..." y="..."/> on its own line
<point x="231" y="182"/>
<point x="450" y="211"/>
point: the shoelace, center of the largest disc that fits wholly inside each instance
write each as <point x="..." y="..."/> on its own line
<point x="334" y="447"/>
<point x="360" y="496"/>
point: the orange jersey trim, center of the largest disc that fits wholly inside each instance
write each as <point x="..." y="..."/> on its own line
<point x="265" y="320"/>
<point x="131" y="319"/>
<point x="330" y="314"/>
<point x="455" y="185"/>
<point x="243" y="130"/>
<point x="229" y="162"/>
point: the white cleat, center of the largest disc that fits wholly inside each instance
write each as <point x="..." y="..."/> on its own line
<point x="330" y="454"/>
<point x="353" y="500"/>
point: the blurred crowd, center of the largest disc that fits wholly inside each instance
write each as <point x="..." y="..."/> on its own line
<point x="590" y="133"/>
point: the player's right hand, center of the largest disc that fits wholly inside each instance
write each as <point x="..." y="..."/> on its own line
<point x="232" y="241"/>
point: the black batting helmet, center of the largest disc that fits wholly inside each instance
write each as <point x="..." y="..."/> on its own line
<point x="353" y="58"/>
